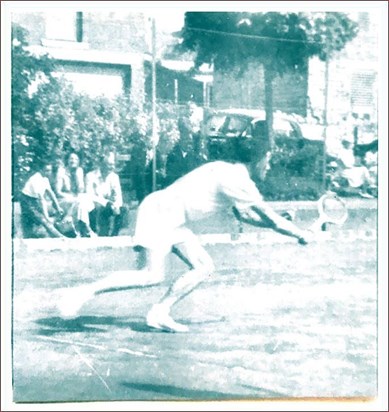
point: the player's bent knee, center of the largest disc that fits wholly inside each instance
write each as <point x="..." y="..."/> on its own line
<point x="205" y="267"/>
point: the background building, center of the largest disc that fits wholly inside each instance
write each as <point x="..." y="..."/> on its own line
<point x="108" y="53"/>
<point x="352" y="76"/>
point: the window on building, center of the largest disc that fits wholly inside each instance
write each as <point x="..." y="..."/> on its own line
<point x="96" y="79"/>
<point x="363" y="20"/>
<point x="362" y="89"/>
<point x="64" y="25"/>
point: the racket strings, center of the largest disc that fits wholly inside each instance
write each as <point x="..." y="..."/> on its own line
<point x="334" y="209"/>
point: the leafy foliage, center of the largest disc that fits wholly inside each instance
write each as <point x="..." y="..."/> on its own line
<point x="296" y="171"/>
<point x="278" y="40"/>
<point x="26" y="71"/>
<point x="49" y="119"/>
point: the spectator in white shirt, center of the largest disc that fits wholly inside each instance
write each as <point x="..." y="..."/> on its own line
<point x="104" y="189"/>
<point x="345" y="156"/>
<point x="358" y="179"/>
<point x="35" y="201"/>
<point x="352" y="177"/>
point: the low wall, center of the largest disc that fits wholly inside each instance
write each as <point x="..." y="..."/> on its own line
<point x="362" y="215"/>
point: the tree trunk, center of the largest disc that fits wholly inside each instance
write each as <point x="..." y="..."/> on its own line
<point x="269" y="76"/>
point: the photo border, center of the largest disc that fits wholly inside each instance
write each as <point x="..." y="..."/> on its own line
<point x="6" y="212"/>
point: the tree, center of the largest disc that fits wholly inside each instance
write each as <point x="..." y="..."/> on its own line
<point x="279" y="41"/>
<point x="26" y="71"/>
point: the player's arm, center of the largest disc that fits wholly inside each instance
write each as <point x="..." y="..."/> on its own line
<point x="250" y="217"/>
<point x="264" y="216"/>
<point x="253" y="210"/>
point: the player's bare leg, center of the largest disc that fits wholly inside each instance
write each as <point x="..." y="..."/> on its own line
<point x="72" y="299"/>
<point x="201" y="266"/>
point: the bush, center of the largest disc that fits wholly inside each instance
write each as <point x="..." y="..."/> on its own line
<point x="296" y="171"/>
<point x="53" y="119"/>
<point x="65" y="121"/>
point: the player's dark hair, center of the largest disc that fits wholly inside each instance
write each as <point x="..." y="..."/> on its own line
<point x="247" y="150"/>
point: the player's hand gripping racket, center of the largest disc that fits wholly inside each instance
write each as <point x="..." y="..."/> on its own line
<point x="331" y="209"/>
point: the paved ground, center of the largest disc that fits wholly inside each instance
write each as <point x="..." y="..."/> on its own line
<point x="276" y="320"/>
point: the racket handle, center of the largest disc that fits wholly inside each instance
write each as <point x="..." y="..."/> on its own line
<point x="318" y="225"/>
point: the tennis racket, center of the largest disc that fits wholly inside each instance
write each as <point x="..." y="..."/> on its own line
<point x="331" y="209"/>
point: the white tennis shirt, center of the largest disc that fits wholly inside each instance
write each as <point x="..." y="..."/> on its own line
<point x="212" y="187"/>
<point x="36" y="186"/>
<point x="204" y="191"/>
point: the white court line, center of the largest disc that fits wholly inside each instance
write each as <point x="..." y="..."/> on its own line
<point x="255" y="238"/>
<point x="69" y="342"/>
<point x="135" y="353"/>
<point x="99" y="347"/>
<point x="90" y="366"/>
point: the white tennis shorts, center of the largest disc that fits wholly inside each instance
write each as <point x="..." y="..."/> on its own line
<point x="160" y="223"/>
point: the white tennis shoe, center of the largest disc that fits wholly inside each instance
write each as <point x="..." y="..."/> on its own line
<point x="72" y="300"/>
<point x="159" y="318"/>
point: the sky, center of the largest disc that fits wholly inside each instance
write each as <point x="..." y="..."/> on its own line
<point x="170" y="20"/>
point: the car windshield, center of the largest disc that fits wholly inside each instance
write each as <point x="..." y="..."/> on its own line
<point x="226" y="124"/>
<point x="215" y="123"/>
<point x="284" y="128"/>
<point x="236" y="125"/>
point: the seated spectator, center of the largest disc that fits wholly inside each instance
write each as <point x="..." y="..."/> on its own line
<point x="355" y="180"/>
<point x="363" y="149"/>
<point x="371" y="162"/>
<point x="70" y="178"/>
<point x="70" y="190"/>
<point x="35" y="206"/>
<point x="345" y="157"/>
<point x="103" y="188"/>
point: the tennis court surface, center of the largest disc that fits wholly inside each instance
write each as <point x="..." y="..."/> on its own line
<point x="276" y="320"/>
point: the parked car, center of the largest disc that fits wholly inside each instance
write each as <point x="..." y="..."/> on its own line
<point x="222" y="127"/>
<point x="297" y="160"/>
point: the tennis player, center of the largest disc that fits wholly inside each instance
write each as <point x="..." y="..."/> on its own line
<point x="161" y="228"/>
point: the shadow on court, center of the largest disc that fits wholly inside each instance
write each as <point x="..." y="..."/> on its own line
<point x="181" y="393"/>
<point x="53" y="325"/>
